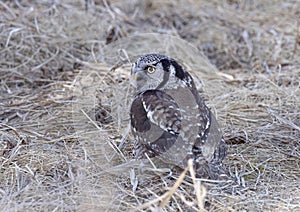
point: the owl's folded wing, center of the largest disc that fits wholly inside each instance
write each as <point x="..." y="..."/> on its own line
<point x="158" y="108"/>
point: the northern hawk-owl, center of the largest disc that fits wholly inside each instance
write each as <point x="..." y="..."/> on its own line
<point x="169" y="118"/>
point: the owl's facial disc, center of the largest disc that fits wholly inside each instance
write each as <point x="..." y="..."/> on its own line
<point x="155" y="71"/>
<point x="142" y="73"/>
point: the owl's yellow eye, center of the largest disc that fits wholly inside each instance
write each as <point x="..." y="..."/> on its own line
<point x="150" y="69"/>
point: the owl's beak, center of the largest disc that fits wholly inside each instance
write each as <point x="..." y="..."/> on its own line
<point x="135" y="76"/>
<point x="138" y="76"/>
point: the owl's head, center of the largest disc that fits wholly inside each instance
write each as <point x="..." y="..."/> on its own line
<point x="158" y="72"/>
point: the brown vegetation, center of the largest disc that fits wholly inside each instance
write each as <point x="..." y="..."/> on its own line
<point x="59" y="150"/>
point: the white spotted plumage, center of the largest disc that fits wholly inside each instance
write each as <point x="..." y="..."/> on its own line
<point x="170" y="115"/>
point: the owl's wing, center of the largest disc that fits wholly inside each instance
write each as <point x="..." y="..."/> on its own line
<point x="214" y="148"/>
<point x="155" y="121"/>
<point x="213" y="151"/>
<point x="158" y="108"/>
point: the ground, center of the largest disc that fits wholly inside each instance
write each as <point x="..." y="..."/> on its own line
<point x="65" y="144"/>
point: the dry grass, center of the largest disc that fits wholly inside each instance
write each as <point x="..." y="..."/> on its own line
<point x="64" y="138"/>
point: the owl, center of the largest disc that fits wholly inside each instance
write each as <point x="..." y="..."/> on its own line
<point x="169" y="118"/>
